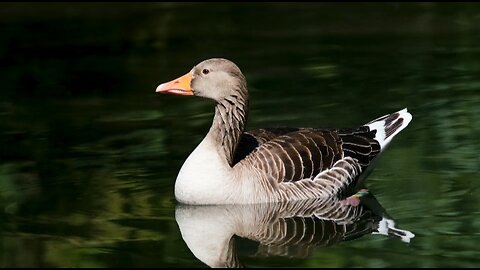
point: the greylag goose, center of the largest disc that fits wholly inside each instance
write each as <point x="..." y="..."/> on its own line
<point x="292" y="228"/>
<point x="232" y="166"/>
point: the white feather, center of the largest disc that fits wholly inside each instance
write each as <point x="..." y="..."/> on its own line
<point x="380" y="127"/>
<point x="387" y="227"/>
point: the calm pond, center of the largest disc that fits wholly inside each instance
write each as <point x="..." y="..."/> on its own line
<point x="89" y="152"/>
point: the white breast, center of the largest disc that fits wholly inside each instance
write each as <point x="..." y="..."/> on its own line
<point x="205" y="177"/>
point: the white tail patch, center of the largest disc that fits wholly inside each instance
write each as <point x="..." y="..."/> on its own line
<point x="389" y="125"/>
<point x="387" y="227"/>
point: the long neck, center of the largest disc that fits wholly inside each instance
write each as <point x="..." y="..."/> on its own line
<point x="229" y="123"/>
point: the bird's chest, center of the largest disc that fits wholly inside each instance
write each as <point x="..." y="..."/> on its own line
<point x="205" y="177"/>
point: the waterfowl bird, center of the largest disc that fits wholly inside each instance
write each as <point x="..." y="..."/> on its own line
<point x="232" y="166"/>
<point x="290" y="228"/>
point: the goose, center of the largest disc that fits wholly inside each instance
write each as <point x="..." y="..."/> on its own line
<point x="288" y="228"/>
<point x="235" y="166"/>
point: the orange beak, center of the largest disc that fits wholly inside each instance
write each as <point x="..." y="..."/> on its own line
<point x="180" y="86"/>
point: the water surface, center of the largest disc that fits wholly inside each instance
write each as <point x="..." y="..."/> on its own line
<point x="89" y="153"/>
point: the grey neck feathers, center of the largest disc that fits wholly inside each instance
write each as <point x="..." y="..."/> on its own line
<point x="229" y="123"/>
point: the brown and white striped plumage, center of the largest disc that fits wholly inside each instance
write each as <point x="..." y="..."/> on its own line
<point x="292" y="228"/>
<point x="266" y="165"/>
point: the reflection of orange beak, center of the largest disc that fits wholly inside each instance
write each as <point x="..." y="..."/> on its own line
<point x="180" y="86"/>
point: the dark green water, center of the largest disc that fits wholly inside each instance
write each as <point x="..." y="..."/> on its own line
<point x="89" y="153"/>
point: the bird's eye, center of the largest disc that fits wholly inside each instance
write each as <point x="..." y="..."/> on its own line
<point x="205" y="71"/>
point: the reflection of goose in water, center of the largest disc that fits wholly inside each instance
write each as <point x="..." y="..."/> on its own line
<point x="282" y="229"/>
